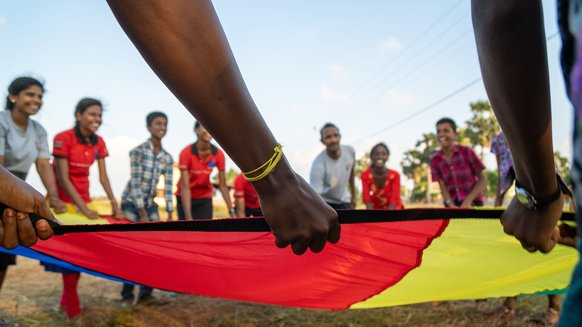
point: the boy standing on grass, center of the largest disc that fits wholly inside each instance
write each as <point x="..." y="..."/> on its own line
<point x="457" y="169"/>
<point x="148" y="162"/>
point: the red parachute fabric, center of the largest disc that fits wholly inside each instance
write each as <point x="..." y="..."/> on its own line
<point x="247" y="266"/>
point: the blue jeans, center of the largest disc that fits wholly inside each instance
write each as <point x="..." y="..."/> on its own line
<point x="130" y="212"/>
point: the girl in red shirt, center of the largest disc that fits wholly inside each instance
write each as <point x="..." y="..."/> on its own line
<point x="75" y="150"/>
<point x="380" y="185"/>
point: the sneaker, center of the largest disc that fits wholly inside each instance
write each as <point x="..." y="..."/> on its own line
<point x="8" y="323"/>
<point x="151" y="300"/>
<point x="124" y="302"/>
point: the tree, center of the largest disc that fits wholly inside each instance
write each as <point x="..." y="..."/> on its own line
<point x="562" y="166"/>
<point x="482" y="126"/>
<point x="415" y="165"/>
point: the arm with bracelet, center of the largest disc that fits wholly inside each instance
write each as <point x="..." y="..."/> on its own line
<point x="515" y="72"/>
<point x="202" y="72"/>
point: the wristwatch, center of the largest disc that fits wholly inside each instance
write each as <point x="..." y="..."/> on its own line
<point x="530" y="201"/>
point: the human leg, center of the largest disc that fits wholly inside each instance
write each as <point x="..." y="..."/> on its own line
<point x="70" y="298"/>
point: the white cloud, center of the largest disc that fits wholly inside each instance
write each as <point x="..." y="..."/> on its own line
<point x="390" y="44"/>
<point x="327" y="93"/>
<point x="337" y="72"/>
<point x="395" y="98"/>
<point x="3" y="20"/>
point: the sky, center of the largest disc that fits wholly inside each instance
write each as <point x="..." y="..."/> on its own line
<point x="381" y="70"/>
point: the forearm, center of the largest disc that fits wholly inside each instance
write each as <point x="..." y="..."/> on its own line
<point x="185" y="197"/>
<point x="240" y="207"/>
<point x="512" y="53"/>
<point x="447" y="198"/>
<point x="225" y="196"/>
<point x="107" y="188"/>
<point x="47" y="176"/>
<point x="72" y="193"/>
<point x="213" y="89"/>
<point x="477" y="189"/>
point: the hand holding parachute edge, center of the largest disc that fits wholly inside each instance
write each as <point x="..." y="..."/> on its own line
<point x="535" y="229"/>
<point x="295" y="212"/>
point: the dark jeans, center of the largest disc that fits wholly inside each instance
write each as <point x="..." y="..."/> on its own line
<point x="200" y="209"/>
<point x="253" y="212"/>
<point x="130" y="212"/>
<point x="340" y="205"/>
<point x="127" y="292"/>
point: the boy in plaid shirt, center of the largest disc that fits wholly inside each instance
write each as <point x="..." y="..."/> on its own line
<point x="148" y="161"/>
<point x="457" y="169"/>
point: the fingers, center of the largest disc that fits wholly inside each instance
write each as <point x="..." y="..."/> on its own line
<point x="26" y="232"/>
<point x="9" y="224"/>
<point x="300" y="246"/>
<point x="16" y="228"/>
<point x="528" y="248"/>
<point x="43" y="229"/>
<point x="334" y="231"/>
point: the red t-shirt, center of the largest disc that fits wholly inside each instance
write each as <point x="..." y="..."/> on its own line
<point x="381" y="198"/>
<point x="200" y="169"/>
<point x="80" y="156"/>
<point x="244" y="189"/>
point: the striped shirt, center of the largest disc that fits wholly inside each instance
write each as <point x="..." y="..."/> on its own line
<point x="146" y="169"/>
<point x="460" y="174"/>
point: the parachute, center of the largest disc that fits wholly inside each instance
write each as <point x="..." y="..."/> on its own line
<point x="384" y="258"/>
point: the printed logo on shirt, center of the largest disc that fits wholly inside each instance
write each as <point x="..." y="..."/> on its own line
<point x="58" y="144"/>
<point x="211" y="164"/>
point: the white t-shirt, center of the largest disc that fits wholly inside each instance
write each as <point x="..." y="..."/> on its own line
<point x="21" y="148"/>
<point x="330" y="178"/>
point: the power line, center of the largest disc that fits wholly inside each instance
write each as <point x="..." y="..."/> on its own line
<point x="354" y="105"/>
<point x="410" y="72"/>
<point x="407" y="48"/>
<point x="432" y="105"/>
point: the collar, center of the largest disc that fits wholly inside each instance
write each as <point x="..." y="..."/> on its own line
<point x="92" y="137"/>
<point x="150" y="147"/>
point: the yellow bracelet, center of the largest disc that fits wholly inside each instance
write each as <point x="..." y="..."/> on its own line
<point x="268" y="166"/>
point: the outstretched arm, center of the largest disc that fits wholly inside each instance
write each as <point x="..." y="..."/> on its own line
<point x="184" y="44"/>
<point x="512" y="53"/>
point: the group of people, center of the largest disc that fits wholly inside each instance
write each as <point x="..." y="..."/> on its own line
<point x="457" y="169"/>
<point x="24" y="141"/>
<point x="202" y="72"/>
